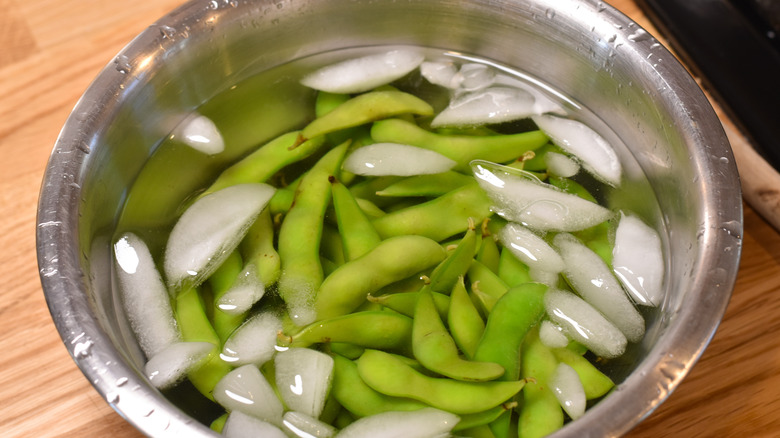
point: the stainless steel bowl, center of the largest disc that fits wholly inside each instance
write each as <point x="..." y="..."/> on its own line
<point x="586" y="49"/>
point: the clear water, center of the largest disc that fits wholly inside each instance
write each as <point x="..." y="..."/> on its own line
<point x="273" y="102"/>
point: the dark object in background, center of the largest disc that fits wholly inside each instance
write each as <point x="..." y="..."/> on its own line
<point x="734" y="48"/>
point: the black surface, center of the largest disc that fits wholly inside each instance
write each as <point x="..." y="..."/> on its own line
<point x="733" y="47"/>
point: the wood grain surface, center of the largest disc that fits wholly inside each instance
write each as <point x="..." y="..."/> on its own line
<point x="50" y="50"/>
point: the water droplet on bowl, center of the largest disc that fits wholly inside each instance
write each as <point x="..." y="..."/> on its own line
<point x="639" y="35"/>
<point x="82" y="349"/>
<point x="122" y="64"/>
<point x="168" y="32"/>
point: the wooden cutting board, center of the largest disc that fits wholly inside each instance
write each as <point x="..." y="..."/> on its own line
<point x="50" y="50"/>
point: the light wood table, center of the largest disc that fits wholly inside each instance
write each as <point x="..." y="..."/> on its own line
<point x="49" y="52"/>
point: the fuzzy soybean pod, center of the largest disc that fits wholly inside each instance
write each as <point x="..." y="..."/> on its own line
<point x="460" y="148"/>
<point x="436" y="184"/>
<point x="406" y="302"/>
<point x="261" y="268"/>
<point x="327" y="102"/>
<point x="299" y="238"/>
<point x="220" y="282"/>
<point x="438" y="218"/>
<point x="488" y="253"/>
<point x="383" y="329"/>
<point x="465" y="323"/>
<point x="435" y="349"/>
<point x="391" y="376"/>
<point x="367" y="189"/>
<point x="512" y="317"/>
<point x="266" y="161"/>
<point x="514" y="314"/>
<point x="470" y="421"/>
<point x="365" y="108"/>
<point x="457" y="263"/>
<point x="392" y="260"/>
<point x="195" y="327"/>
<point x="511" y="270"/>
<point x="358" y="235"/>
<point x="258" y="248"/>
<point x="595" y="383"/>
<point x="360" y="399"/>
<point x="487" y="287"/>
<point x="542" y="413"/>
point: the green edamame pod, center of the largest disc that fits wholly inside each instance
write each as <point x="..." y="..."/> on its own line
<point x="332" y="246"/>
<point x="350" y="351"/>
<point x="595" y="383"/>
<point x="460" y="148"/>
<point x="486" y="285"/>
<point x="281" y="201"/>
<point x="482" y="431"/>
<point x="488" y="253"/>
<point x="369" y="208"/>
<point x="219" y="423"/>
<point x="435" y="349"/>
<point x="389" y="375"/>
<point x="370" y="329"/>
<point x="542" y="413"/>
<point x="195" y="327"/>
<point x="426" y="185"/>
<point x="299" y="238"/>
<point x="469" y="421"/>
<point x="327" y="102"/>
<point x="514" y="314"/>
<point x="261" y="268"/>
<point x="367" y="189"/>
<point x="258" y="248"/>
<point x="392" y="260"/>
<point x="266" y="161"/>
<point x="457" y="263"/>
<point x="465" y="323"/>
<point x="365" y="108"/>
<point x="511" y="270"/>
<point x="360" y="399"/>
<point x="537" y="162"/>
<point x="405" y="302"/>
<point x="220" y="282"/>
<point x="438" y="218"/>
<point x="358" y="236"/>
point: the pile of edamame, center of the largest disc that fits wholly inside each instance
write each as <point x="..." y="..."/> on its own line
<point x="399" y="285"/>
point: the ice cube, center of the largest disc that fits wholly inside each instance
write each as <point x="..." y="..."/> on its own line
<point x="584" y="324"/>
<point x="393" y="159"/>
<point x="245" y="389"/>
<point x="171" y="364"/>
<point x="422" y="423"/>
<point x="637" y="260"/>
<point x="362" y="74"/>
<point x="530" y="248"/>
<point x="520" y="197"/>
<point x="593" y="280"/>
<point x="241" y="425"/>
<point x="305" y="426"/>
<point x="200" y="133"/>
<point x="144" y="295"/>
<point x="303" y="378"/>
<point x="568" y="389"/>
<point x="210" y="229"/>
<point x="491" y="105"/>
<point x="254" y="341"/>
<point x="597" y="155"/>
